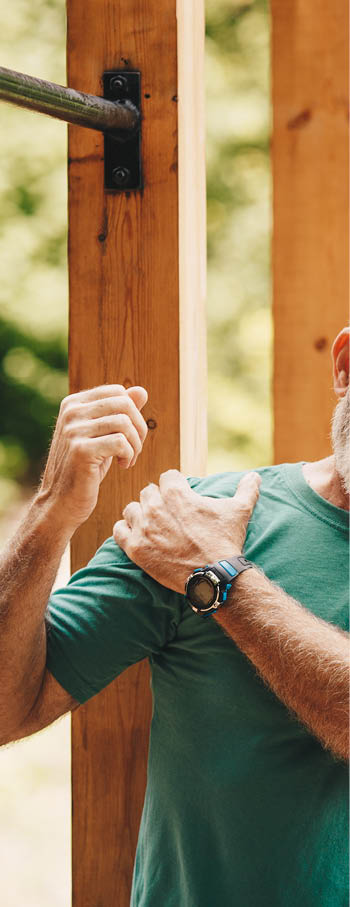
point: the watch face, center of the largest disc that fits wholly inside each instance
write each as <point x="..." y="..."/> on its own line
<point x="202" y="592"/>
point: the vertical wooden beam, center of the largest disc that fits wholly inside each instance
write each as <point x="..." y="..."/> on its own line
<point x="310" y="47"/>
<point x="192" y="236"/>
<point x="136" y="266"/>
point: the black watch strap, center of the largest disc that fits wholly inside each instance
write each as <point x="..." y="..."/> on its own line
<point x="229" y="568"/>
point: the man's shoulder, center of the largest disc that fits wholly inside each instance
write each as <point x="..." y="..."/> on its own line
<point x="224" y="484"/>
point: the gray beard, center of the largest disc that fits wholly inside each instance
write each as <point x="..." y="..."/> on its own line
<point x="341" y="439"/>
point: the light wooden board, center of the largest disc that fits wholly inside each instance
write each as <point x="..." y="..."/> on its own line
<point x="135" y="263"/>
<point x="310" y="90"/>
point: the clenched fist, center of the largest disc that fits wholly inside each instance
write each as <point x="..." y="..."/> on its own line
<point x="92" y="427"/>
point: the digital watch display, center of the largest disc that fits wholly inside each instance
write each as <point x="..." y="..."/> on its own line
<point x="207" y="588"/>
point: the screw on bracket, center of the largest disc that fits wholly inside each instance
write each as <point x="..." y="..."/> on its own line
<point x="121" y="176"/>
<point x="119" y="86"/>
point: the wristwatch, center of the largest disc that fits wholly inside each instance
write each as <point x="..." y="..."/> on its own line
<point x="207" y="588"/>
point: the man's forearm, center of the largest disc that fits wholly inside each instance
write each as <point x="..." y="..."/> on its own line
<point x="304" y="659"/>
<point x="28" y="567"/>
<point x="92" y="428"/>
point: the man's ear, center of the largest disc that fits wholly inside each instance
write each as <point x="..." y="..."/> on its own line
<point x="340" y="356"/>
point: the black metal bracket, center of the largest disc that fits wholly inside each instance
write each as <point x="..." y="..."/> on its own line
<point x="123" y="168"/>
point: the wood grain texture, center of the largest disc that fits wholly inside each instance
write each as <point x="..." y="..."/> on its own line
<point x="311" y="199"/>
<point x="125" y="300"/>
<point x="192" y="236"/>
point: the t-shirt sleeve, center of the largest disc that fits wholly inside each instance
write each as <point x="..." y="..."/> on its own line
<point x="109" y="616"/>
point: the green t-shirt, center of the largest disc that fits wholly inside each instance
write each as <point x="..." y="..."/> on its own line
<point x="244" y="807"/>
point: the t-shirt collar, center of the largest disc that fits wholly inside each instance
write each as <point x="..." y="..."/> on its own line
<point x="293" y="474"/>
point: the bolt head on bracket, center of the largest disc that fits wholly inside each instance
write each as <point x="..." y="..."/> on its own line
<point x="119" y="87"/>
<point x="121" y="176"/>
<point x="123" y="169"/>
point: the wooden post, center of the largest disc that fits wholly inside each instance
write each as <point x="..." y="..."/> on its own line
<point x="310" y="44"/>
<point x="137" y="285"/>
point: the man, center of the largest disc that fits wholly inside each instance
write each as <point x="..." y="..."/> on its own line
<point x="246" y="795"/>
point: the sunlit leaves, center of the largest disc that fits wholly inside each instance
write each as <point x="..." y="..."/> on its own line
<point x="239" y="223"/>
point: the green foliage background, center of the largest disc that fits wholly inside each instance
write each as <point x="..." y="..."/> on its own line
<point x="33" y="202"/>
<point x="239" y="191"/>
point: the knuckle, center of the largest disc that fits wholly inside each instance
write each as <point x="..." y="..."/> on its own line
<point x="117" y="388"/>
<point x="119" y="404"/>
<point x="99" y="407"/>
<point x="69" y="431"/>
<point x="69" y="411"/>
<point x="123" y="421"/>
<point x="127" y="510"/>
<point x="171" y="492"/>
<point x="67" y="402"/>
<point x="120" y="424"/>
<point x="111" y="425"/>
<point x="118" y="534"/>
<point x="78" y="448"/>
<point x="126" y="402"/>
<point x="203" y="507"/>
<point x="148" y="491"/>
<point x="146" y="529"/>
<point x="145" y="497"/>
<point x="151" y="510"/>
<point x="108" y="389"/>
<point x="121" y="444"/>
<point x="243" y="508"/>
<point x="133" y="548"/>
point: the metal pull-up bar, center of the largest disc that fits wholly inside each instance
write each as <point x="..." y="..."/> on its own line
<point x="117" y="115"/>
<point x="67" y="104"/>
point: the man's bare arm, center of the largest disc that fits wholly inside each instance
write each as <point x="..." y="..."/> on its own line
<point x="92" y="428"/>
<point x="28" y="568"/>
<point x="51" y="703"/>
<point x="304" y="659"/>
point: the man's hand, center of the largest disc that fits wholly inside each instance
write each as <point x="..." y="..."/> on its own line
<point x="92" y="427"/>
<point x="173" y="530"/>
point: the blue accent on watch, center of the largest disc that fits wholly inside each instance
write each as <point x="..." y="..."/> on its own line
<point x="225" y="593"/>
<point x="228" y="567"/>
